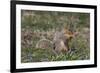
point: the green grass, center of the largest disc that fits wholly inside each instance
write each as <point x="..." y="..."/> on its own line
<point x="37" y="24"/>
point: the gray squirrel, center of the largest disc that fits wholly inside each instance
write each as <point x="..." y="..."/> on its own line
<point x="59" y="42"/>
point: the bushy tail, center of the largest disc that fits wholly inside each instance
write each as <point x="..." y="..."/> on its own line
<point x="44" y="44"/>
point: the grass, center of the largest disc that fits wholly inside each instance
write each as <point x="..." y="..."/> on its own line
<point x="36" y="25"/>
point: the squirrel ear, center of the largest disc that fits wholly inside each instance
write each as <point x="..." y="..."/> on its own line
<point x="65" y="26"/>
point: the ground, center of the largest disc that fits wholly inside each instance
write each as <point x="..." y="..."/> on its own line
<point x="36" y="25"/>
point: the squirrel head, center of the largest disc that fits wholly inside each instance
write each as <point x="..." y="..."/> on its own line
<point x="69" y="34"/>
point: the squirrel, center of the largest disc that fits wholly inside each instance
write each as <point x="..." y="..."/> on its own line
<point x="60" y="41"/>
